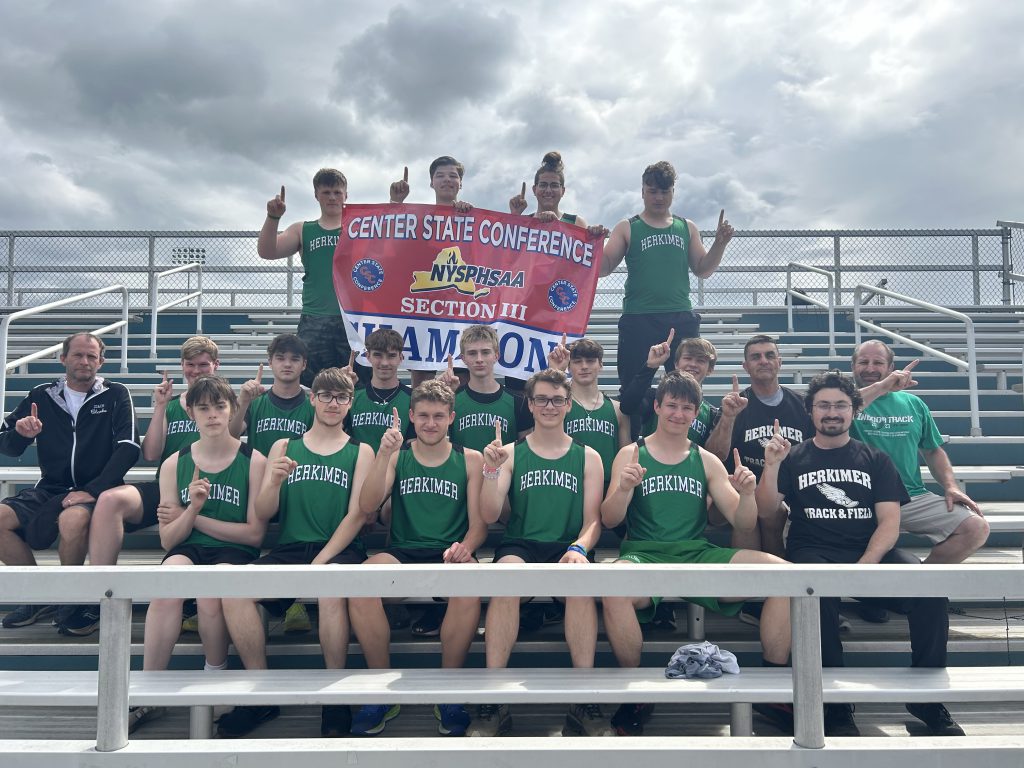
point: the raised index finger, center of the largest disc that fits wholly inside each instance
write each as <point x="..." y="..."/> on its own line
<point x="563" y="338"/>
<point x="736" y="460"/>
<point x="523" y="192"/>
<point x="911" y="366"/>
<point x="195" y="474"/>
<point x="735" y="383"/>
<point x="776" y="432"/>
<point x="282" y="193"/>
<point x="497" y="431"/>
<point x="259" y="374"/>
<point x="451" y="365"/>
<point x="721" y="217"/>
<point x="35" y="411"/>
<point x="351" y="358"/>
<point x="395" y="420"/>
<point x="405" y="175"/>
<point x="636" y="453"/>
<point x="671" y="335"/>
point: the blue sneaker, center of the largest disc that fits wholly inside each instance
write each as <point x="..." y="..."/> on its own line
<point x="453" y="719"/>
<point x="371" y="719"/>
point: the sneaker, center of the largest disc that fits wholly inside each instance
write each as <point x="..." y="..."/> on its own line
<point x="82" y="621"/>
<point x="779" y="715"/>
<point x="371" y="719"/>
<point x="24" y="615"/>
<point x="452" y="719"/>
<point x="398" y="616"/>
<point x="429" y="624"/>
<point x="138" y="716"/>
<point x="750" y="614"/>
<point x="871" y="613"/>
<point x="190" y="616"/>
<point x="937" y="718"/>
<point x="844" y="624"/>
<point x="629" y="719"/>
<point x="533" y="616"/>
<point x="335" y="721"/>
<point x="492" y="720"/>
<point x="585" y="720"/>
<point x="241" y="721"/>
<point x="664" y="618"/>
<point x="296" y="620"/>
<point x="839" y="720"/>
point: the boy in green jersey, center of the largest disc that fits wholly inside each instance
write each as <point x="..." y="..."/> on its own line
<point x="283" y="411"/>
<point x="446" y="181"/>
<point x="207" y="516"/>
<point x="370" y="415"/>
<point x="483" y="402"/>
<point x="553" y="484"/>
<point x="433" y="518"/>
<point x="134" y="506"/>
<point x="313" y="481"/>
<point x="661" y="486"/>
<point x="660" y="250"/>
<point x="322" y="323"/>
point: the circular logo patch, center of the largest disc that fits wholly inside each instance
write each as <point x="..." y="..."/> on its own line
<point x="368" y="275"/>
<point x="562" y="295"/>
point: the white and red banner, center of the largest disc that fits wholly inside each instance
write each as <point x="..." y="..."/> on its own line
<point x="428" y="272"/>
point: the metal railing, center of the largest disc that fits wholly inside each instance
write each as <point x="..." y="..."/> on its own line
<point x="22" y="313"/>
<point x="971" y="365"/>
<point x="791" y="295"/>
<point x="115" y="588"/>
<point x="923" y="262"/>
<point x="156" y="309"/>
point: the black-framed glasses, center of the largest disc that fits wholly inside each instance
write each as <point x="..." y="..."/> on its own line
<point x="543" y="402"/>
<point x="327" y="397"/>
<point x="549" y="185"/>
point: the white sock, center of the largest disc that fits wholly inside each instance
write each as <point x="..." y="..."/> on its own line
<point x="208" y="667"/>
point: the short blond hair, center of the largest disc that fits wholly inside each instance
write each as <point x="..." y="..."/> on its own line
<point x="197" y="345"/>
<point x="477" y="333"/>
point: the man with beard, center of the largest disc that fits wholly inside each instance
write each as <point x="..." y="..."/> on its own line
<point x="844" y="507"/>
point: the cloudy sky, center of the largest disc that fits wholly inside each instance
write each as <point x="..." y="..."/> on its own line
<point x="188" y="115"/>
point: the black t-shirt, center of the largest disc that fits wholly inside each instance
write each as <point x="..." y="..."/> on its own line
<point x="755" y="425"/>
<point x="832" y="494"/>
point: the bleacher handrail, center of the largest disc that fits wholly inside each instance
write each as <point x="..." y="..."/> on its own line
<point x="156" y="309"/>
<point x="5" y="325"/>
<point x="970" y="365"/>
<point x="116" y="588"/>
<point x="830" y="306"/>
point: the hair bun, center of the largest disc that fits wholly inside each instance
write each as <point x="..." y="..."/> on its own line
<point x="553" y="162"/>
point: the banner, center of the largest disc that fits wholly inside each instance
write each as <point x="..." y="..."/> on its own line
<point x="428" y="272"/>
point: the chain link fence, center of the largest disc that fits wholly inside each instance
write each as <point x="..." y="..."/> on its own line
<point x="962" y="267"/>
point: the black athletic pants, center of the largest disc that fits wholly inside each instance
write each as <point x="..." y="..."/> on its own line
<point x="928" y="616"/>
<point x="638" y="333"/>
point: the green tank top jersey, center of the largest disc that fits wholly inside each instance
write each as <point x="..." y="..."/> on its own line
<point x="314" y="498"/>
<point x="700" y="429"/>
<point x="181" y="431"/>
<point x="598" y="429"/>
<point x="369" y="418"/>
<point x="266" y="423"/>
<point x="428" y="504"/>
<point x="671" y="503"/>
<point x="546" y="495"/>
<point x="228" y="499"/>
<point x="318" y="244"/>
<point x="657" y="268"/>
<point x="475" y="414"/>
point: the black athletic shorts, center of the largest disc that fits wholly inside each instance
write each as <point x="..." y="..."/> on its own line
<point x="408" y="556"/>
<point x="534" y="551"/>
<point x="37" y="511"/>
<point x="150" y="493"/>
<point x="211" y="555"/>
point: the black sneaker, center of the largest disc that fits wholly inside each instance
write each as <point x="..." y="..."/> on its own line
<point x="750" y="613"/>
<point x="664" y="618"/>
<point x="429" y="624"/>
<point x="839" y="720"/>
<point x="398" y="616"/>
<point x="937" y="718"/>
<point x="241" y="721"/>
<point x="871" y="613"/>
<point x="629" y="719"/>
<point x="533" y="616"/>
<point x="24" y="615"/>
<point x="335" y="721"/>
<point x="779" y="715"/>
<point x="82" y="621"/>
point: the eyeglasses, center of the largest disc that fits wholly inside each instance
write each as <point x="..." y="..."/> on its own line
<point x="543" y="402"/>
<point x="549" y="185"/>
<point x="327" y="397"/>
<point x="837" y="407"/>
